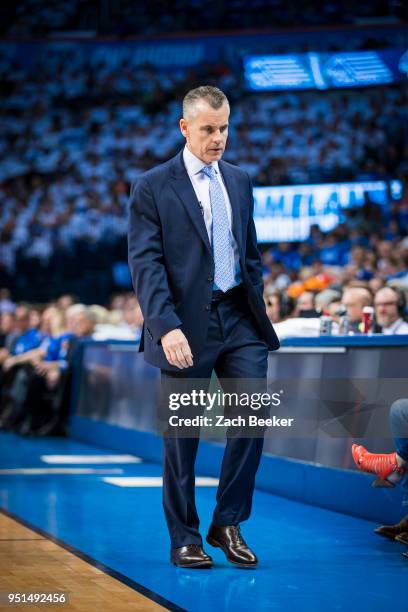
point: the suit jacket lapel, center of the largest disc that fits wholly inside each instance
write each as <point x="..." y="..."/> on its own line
<point x="230" y="184"/>
<point x="184" y="189"/>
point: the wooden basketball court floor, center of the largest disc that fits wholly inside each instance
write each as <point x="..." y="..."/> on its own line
<point x="33" y="563"/>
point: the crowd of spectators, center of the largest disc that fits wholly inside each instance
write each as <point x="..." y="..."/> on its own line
<point x="76" y="131"/>
<point x="100" y="121"/>
<point x="338" y="275"/>
<point x="127" y="17"/>
<point x="38" y="345"/>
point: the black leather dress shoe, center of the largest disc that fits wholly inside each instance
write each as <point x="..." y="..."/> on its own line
<point x="229" y="538"/>
<point x="191" y="556"/>
<point x="402" y="538"/>
<point x="391" y="531"/>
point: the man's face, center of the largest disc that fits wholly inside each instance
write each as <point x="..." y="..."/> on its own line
<point x="272" y="308"/>
<point x="7" y="323"/>
<point x="22" y="320"/>
<point x="35" y="318"/>
<point x="206" y="131"/>
<point x="386" y="307"/>
<point x="305" y="301"/>
<point x="46" y="320"/>
<point x="354" y="305"/>
<point x="83" y="326"/>
<point x="332" y="310"/>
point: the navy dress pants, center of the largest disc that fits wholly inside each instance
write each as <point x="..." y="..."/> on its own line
<point x="234" y="350"/>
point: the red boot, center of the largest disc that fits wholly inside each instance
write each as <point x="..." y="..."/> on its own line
<point x="384" y="466"/>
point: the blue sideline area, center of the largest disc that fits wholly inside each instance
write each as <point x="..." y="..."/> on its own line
<point x="340" y="490"/>
<point x="311" y="558"/>
<point x="345" y="491"/>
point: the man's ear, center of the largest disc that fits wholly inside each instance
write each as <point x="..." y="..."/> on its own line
<point x="183" y="127"/>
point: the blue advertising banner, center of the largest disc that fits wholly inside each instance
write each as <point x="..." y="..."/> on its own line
<point x="325" y="70"/>
<point x="285" y="214"/>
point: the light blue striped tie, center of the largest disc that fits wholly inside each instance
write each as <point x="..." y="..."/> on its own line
<point x="224" y="275"/>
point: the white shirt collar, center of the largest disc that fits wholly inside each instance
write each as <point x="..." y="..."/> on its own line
<point x="193" y="164"/>
<point x="393" y="327"/>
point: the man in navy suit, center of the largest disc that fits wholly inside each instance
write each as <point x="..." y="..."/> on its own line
<point x="197" y="273"/>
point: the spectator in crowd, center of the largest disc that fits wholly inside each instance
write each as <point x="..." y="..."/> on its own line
<point x="124" y="323"/>
<point x="337" y="312"/>
<point x="84" y="323"/>
<point x="52" y="379"/>
<point x="279" y="306"/>
<point x="305" y="303"/>
<point x="389" y="468"/>
<point x="8" y="332"/>
<point x="276" y="275"/>
<point x="376" y="283"/>
<point x="328" y="301"/>
<point x="65" y="301"/>
<point x="390" y="310"/>
<point x="50" y="325"/>
<point x="27" y="337"/>
<point x="35" y="317"/>
<point x="354" y="299"/>
<point x="305" y="321"/>
<point x="31" y="400"/>
<point x="6" y="304"/>
<point x="30" y="346"/>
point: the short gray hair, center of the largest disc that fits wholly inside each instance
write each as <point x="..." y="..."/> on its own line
<point x="212" y="95"/>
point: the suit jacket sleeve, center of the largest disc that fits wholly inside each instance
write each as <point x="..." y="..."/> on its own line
<point x="146" y="263"/>
<point x="252" y="256"/>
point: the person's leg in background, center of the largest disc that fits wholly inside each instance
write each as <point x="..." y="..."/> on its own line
<point x="40" y="404"/>
<point x="390" y="467"/>
<point x="6" y="403"/>
<point x="399" y="429"/>
<point x="57" y="395"/>
<point x="14" y="396"/>
<point x="36" y="406"/>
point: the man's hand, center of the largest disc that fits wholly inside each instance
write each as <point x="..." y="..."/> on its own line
<point x="3" y="354"/>
<point x="177" y="349"/>
<point x="43" y="367"/>
<point x="8" y="363"/>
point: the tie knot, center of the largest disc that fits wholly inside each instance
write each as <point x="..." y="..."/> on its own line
<point x="209" y="171"/>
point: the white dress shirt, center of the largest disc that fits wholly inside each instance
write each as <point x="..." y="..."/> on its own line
<point x="399" y="327"/>
<point x="201" y="185"/>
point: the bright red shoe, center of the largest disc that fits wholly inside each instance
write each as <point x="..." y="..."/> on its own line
<point x="383" y="465"/>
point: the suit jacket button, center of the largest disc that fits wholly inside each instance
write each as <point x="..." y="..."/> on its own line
<point x="208" y="307"/>
<point x="210" y="279"/>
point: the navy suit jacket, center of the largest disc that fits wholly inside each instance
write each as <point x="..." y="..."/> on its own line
<point x="170" y="256"/>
